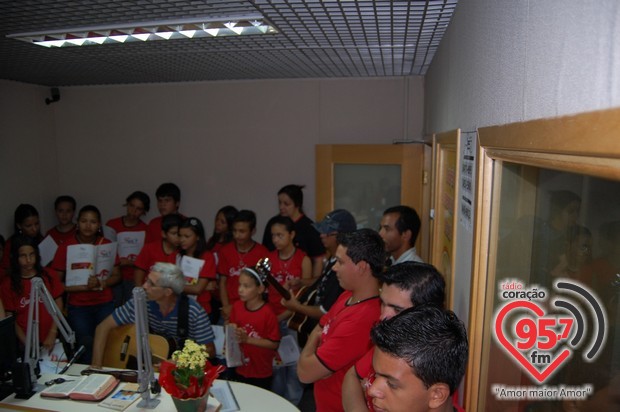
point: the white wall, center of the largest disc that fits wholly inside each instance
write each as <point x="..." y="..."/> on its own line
<point x="28" y="162"/>
<point x="221" y="142"/>
<point x="509" y="61"/>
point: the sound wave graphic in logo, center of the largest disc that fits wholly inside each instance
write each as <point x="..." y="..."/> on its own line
<point x="541" y="341"/>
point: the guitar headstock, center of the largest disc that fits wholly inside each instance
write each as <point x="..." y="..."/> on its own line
<point x="263" y="266"/>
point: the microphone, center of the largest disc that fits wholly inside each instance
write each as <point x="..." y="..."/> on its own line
<point x="75" y="357"/>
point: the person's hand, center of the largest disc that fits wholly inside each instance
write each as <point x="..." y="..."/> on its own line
<point x="126" y="261"/>
<point x="292" y="303"/>
<point x="241" y="334"/>
<point x="50" y="341"/>
<point x="93" y="283"/>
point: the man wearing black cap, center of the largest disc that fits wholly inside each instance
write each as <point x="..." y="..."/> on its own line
<point x="320" y="296"/>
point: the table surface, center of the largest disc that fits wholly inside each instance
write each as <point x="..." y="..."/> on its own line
<point x="250" y="398"/>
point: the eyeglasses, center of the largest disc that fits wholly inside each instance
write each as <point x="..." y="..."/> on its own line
<point x="151" y="283"/>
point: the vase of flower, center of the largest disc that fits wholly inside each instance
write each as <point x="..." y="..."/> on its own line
<point x="188" y="377"/>
<point x="190" y="405"/>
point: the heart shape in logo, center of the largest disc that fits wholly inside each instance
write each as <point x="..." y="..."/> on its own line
<point x="539" y="375"/>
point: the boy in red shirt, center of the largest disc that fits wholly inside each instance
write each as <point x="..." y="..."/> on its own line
<point x="404" y="285"/>
<point x="168" y="201"/>
<point x="343" y="333"/>
<point x="164" y="250"/>
<point x="64" y="207"/>
<point x="234" y="256"/>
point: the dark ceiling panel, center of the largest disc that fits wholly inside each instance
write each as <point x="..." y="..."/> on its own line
<point x="317" y="38"/>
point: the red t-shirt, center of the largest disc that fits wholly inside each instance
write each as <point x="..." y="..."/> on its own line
<point x="119" y="227"/>
<point x="153" y="230"/>
<point x="345" y="338"/>
<point x="61" y="237"/>
<point x="366" y="373"/>
<point x="231" y="262"/>
<point x="89" y="298"/>
<point x="207" y="272"/>
<point x="261" y="324"/>
<point x="283" y="270"/>
<point x="152" y="253"/>
<point x="20" y="303"/>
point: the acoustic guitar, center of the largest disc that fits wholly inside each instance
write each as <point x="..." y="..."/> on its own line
<point x="297" y="320"/>
<point x="121" y="345"/>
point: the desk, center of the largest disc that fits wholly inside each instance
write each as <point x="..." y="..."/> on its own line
<point x="250" y="398"/>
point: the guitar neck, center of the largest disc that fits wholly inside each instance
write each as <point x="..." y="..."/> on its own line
<point x="278" y="287"/>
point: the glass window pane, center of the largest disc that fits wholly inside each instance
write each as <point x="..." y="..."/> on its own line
<point x="556" y="225"/>
<point x="366" y="191"/>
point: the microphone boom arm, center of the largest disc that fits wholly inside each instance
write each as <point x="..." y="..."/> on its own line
<point x="38" y="292"/>
<point x="146" y="375"/>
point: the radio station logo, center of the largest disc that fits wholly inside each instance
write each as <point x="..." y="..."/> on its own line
<point x="541" y="329"/>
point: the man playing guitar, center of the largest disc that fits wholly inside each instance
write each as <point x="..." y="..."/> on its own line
<point x="163" y="286"/>
<point x="317" y="299"/>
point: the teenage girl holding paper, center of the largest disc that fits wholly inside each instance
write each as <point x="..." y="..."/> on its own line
<point x="137" y="204"/>
<point x="90" y="303"/>
<point x="200" y="281"/>
<point x="16" y="289"/>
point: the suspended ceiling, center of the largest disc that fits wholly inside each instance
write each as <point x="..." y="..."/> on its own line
<point x="316" y="38"/>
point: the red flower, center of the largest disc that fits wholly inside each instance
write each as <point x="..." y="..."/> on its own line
<point x="198" y="386"/>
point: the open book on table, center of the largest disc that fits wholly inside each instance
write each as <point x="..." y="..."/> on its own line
<point x="86" y="388"/>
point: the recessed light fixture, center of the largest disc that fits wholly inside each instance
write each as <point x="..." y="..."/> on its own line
<point x="148" y="31"/>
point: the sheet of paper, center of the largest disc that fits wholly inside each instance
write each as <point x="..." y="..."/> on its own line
<point x="47" y="250"/>
<point x="105" y="258"/>
<point x="288" y="350"/>
<point x="191" y="268"/>
<point x="109" y="233"/>
<point x="80" y="264"/>
<point x="130" y="244"/>
<point x="222" y="391"/>
<point x="234" y="356"/>
<point x="220" y="338"/>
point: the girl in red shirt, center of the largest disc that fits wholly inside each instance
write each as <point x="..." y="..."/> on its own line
<point x="87" y="305"/>
<point x="193" y="244"/>
<point x="137" y="204"/>
<point x="257" y="331"/>
<point x="289" y="265"/>
<point x="16" y="288"/>
<point x="25" y="222"/>
<point x="222" y="229"/>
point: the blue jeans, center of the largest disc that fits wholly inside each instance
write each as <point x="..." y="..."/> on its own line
<point x="84" y="320"/>
<point x="285" y="381"/>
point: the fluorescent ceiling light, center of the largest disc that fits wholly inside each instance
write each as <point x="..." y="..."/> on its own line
<point x="147" y="31"/>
